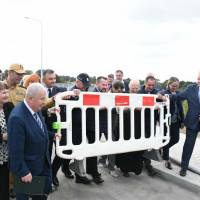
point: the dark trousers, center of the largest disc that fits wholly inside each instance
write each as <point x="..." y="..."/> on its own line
<point x="91" y="162"/>
<point x="48" y="174"/>
<point x="4" y="181"/>
<point x="188" y="147"/>
<point x="57" y="162"/>
<point x="76" y="140"/>
<point x="174" y="138"/>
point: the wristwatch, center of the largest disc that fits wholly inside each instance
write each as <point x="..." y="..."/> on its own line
<point x="48" y="112"/>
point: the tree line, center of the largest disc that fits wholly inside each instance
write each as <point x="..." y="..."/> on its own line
<point x="70" y="79"/>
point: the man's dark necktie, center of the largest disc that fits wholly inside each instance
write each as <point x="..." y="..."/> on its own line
<point x="38" y="121"/>
<point x="49" y="92"/>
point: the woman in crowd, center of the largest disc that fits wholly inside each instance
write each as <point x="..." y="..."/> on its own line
<point x="177" y="119"/>
<point x="34" y="78"/>
<point x="5" y="110"/>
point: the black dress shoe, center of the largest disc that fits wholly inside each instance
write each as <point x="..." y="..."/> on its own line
<point x="55" y="181"/>
<point x="168" y="165"/>
<point x="152" y="172"/>
<point x="82" y="179"/>
<point x="68" y="173"/>
<point x="12" y="194"/>
<point x="97" y="178"/>
<point x="182" y="172"/>
<point x="125" y="174"/>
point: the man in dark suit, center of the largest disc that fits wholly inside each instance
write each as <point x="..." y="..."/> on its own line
<point x="28" y="140"/>
<point x="91" y="163"/>
<point x="49" y="78"/>
<point x="149" y="89"/>
<point x="192" y="121"/>
<point x="157" y="86"/>
<point x="119" y="76"/>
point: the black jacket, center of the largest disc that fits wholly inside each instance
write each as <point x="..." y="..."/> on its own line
<point x="7" y="108"/>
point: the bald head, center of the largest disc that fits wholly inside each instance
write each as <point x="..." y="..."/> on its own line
<point x="134" y="86"/>
<point x="150" y="74"/>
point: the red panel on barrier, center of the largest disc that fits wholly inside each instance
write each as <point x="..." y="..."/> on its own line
<point x="148" y="101"/>
<point x="121" y="100"/>
<point x="91" y="100"/>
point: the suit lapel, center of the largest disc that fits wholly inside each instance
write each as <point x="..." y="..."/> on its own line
<point x="33" y="121"/>
<point x="54" y="91"/>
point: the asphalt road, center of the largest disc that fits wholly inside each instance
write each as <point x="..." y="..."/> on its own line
<point x="140" y="187"/>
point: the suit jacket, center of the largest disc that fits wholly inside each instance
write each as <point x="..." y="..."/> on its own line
<point x="90" y="114"/>
<point x="191" y="94"/>
<point x="27" y="143"/>
<point x="125" y="86"/>
<point x="53" y="118"/>
<point x="7" y="108"/>
<point x="157" y="87"/>
<point x="179" y="105"/>
<point x="147" y="110"/>
<point x="103" y="123"/>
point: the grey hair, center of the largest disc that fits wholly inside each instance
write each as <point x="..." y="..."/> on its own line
<point x="35" y="89"/>
<point x="47" y="71"/>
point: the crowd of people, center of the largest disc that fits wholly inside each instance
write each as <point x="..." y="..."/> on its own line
<point x="27" y="113"/>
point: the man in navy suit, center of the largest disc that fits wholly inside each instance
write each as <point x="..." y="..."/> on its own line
<point x="119" y="76"/>
<point x="192" y="121"/>
<point x="49" y="79"/>
<point x="149" y="88"/>
<point x="28" y="140"/>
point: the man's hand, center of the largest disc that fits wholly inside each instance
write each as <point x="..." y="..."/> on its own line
<point x="160" y="96"/>
<point x="157" y="107"/>
<point x="27" y="178"/>
<point x="102" y="108"/>
<point x="4" y="136"/>
<point x="57" y="135"/>
<point x="182" y="125"/>
<point x="54" y="109"/>
<point x="138" y="108"/>
<point x="76" y="92"/>
<point x="126" y="108"/>
<point x="54" y="97"/>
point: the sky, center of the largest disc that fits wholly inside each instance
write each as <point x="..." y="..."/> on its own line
<point x="101" y="36"/>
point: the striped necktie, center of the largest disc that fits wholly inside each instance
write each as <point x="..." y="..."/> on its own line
<point x="38" y="121"/>
<point x="199" y="95"/>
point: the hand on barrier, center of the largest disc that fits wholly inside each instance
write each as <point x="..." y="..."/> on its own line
<point x="27" y="178"/>
<point x="182" y="125"/>
<point x="102" y="108"/>
<point x="54" y="97"/>
<point x="76" y="92"/>
<point x="138" y="108"/>
<point x="160" y="96"/>
<point x="157" y="107"/>
<point x="54" y="109"/>
<point x="57" y="135"/>
<point x="4" y="137"/>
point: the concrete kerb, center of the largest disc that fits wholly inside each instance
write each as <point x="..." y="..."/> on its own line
<point x="174" y="177"/>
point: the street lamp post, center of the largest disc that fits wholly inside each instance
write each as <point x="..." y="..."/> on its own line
<point x="41" y="44"/>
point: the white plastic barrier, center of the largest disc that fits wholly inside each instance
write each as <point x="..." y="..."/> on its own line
<point x="111" y="100"/>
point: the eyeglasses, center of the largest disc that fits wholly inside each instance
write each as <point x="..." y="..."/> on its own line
<point x="175" y="86"/>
